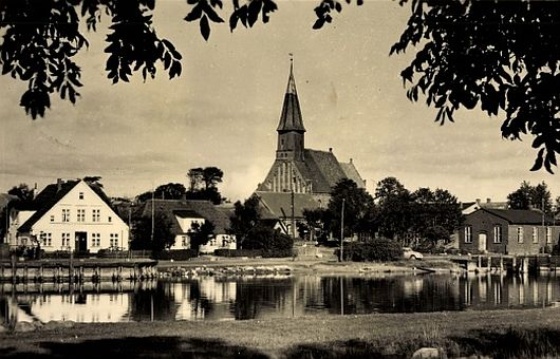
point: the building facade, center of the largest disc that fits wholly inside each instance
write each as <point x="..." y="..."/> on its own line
<point x="508" y="231"/>
<point x="68" y="215"/>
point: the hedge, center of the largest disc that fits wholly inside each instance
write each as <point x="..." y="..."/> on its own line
<point x="383" y="250"/>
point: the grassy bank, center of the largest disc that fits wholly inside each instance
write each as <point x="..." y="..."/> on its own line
<point x="533" y="333"/>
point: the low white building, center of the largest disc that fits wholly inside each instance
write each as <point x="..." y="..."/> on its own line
<point x="184" y="213"/>
<point x="68" y="215"/>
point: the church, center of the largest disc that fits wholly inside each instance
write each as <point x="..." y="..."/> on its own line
<point x="300" y="178"/>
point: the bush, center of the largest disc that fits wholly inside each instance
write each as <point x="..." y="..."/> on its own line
<point x="381" y="249"/>
<point x="175" y="254"/>
<point x="56" y="255"/>
<point x="272" y="243"/>
<point x="236" y="253"/>
<point x="110" y="253"/>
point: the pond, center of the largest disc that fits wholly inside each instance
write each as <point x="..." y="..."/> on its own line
<point x="241" y="298"/>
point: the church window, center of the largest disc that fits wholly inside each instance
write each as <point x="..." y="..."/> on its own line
<point x="282" y="144"/>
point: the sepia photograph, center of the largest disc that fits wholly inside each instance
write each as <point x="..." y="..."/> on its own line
<point x="280" y="179"/>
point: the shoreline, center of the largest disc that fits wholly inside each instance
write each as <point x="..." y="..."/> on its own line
<point x="273" y="338"/>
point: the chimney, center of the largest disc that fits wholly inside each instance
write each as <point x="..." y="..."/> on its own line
<point x="478" y="202"/>
<point x="350" y="160"/>
<point x="59" y="183"/>
<point x="488" y="200"/>
<point x="35" y="191"/>
<point x="330" y="149"/>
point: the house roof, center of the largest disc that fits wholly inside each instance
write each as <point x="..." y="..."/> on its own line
<point x="189" y="209"/>
<point x="45" y="200"/>
<point x="520" y="216"/>
<point x="279" y="204"/>
<point x="50" y="196"/>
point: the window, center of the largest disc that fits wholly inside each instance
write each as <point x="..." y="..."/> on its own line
<point x="46" y="239"/>
<point x="81" y="195"/>
<point x="81" y="215"/>
<point x="535" y="235"/>
<point x="110" y="219"/>
<point x="548" y="235"/>
<point x="52" y="218"/>
<point x="185" y="241"/>
<point x="95" y="240"/>
<point x="65" y="215"/>
<point x="96" y="215"/>
<point x="114" y="239"/>
<point x="66" y="239"/>
<point x="468" y="234"/>
<point x="498" y="233"/>
<point x="520" y="234"/>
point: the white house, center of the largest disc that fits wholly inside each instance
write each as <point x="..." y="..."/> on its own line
<point x="184" y="213"/>
<point x="68" y="215"/>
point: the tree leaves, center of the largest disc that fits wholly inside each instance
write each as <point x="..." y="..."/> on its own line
<point x="492" y="55"/>
<point x="204" y="11"/>
<point x="41" y="38"/>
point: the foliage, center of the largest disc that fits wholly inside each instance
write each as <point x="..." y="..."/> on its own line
<point x="203" y="184"/>
<point x="410" y="216"/>
<point x="164" y="191"/>
<point x="528" y="196"/>
<point x="237" y="253"/>
<point x="93" y="181"/>
<point x="200" y="234"/>
<point x="175" y="254"/>
<point x="435" y="214"/>
<point x="22" y="192"/>
<point x="41" y="38"/>
<point x="393" y="208"/>
<point x="382" y="249"/>
<point x="268" y="240"/>
<point x="358" y="207"/>
<point x="500" y="56"/>
<point x="163" y="236"/>
<point x="246" y="216"/>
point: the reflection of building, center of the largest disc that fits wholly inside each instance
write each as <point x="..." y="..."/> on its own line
<point x="508" y="231"/>
<point x="66" y="216"/>
<point x="77" y="307"/>
<point x="194" y="304"/>
<point x="296" y="169"/>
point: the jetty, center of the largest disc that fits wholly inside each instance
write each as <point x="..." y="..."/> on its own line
<point x="519" y="264"/>
<point x="77" y="271"/>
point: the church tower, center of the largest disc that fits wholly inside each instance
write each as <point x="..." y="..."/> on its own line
<point x="290" y="129"/>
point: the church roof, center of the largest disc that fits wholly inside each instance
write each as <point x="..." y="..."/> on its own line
<point x="279" y="204"/>
<point x="290" y="120"/>
<point x="321" y="168"/>
<point x="352" y="173"/>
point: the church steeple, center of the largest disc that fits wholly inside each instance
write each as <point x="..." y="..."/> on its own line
<point x="290" y="129"/>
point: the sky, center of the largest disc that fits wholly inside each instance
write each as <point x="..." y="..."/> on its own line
<point x="224" y="109"/>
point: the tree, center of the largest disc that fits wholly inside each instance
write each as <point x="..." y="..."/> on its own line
<point x="41" y="39"/>
<point x="163" y="236"/>
<point x="164" y="191"/>
<point x="528" y="196"/>
<point x="394" y="215"/>
<point x="22" y="192"/>
<point x="93" y="181"/>
<point x="246" y="216"/>
<point x="357" y="205"/>
<point x="318" y="221"/>
<point x="203" y="184"/>
<point x="200" y="234"/>
<point x="435" y="214"/>
<point x="499" y="56"/>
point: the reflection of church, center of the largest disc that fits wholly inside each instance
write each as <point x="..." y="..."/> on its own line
<point x="300" y="176"/>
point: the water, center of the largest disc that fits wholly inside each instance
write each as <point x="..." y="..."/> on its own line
<point x="240" y="298"/>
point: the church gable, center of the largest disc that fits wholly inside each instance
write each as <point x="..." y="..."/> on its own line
<point x="323" y="170"/>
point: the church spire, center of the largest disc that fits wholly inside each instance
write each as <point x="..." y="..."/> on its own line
<point x="290" y="120"/>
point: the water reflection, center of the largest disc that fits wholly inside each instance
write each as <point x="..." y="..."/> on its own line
<point x="240" y="298"/>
